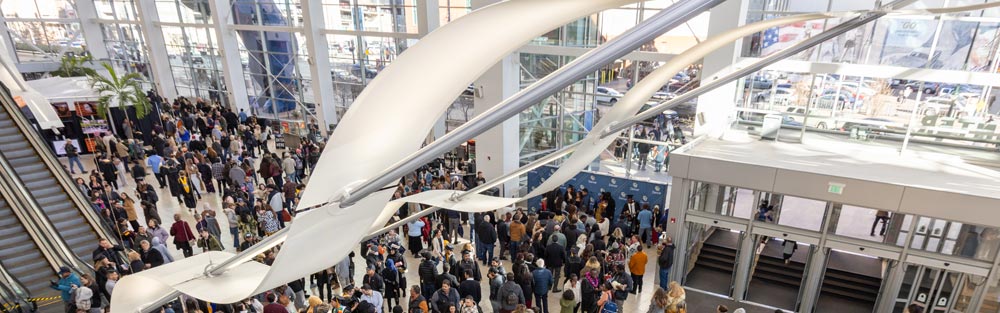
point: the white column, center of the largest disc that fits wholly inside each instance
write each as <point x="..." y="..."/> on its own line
<point x="428" y="19"/>
<point x="232" y="68"/>
<point x="87" y="12"/>
<point x="319" y="59"/>
<point x="428" y="16"/>
<point x="156" y="48"/>
<point x="7" y="41"/>
<point x="497" y="150"/>
<point x="716" y="106"/>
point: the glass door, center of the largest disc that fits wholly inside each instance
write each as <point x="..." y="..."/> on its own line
<point x="780" y="267"/>
<point x="853" y="277"/>
<point x="712" y="250"/>
<point x="936" y="290"/>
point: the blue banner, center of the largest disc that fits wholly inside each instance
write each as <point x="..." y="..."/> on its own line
<point x="620" y="188"/>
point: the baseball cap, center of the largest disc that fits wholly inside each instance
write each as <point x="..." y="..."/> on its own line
<point x="63" y="270"/>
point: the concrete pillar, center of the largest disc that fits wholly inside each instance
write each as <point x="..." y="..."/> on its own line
<point x="716" y="107"/>
<point x="232" y="68"/>
<point x="87" y="12"/>
<point x="319" y="61"/>
<point x="427" y="21"/>
<point x="678" y="206"/>
<point x="156" y="48"/>
<point x="497" y="150"/>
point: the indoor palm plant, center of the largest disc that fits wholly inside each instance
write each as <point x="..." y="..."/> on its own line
<point x="119" y="91"/>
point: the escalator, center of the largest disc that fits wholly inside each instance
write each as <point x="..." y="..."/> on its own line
<point x="23" y="258"/>
<point x="77" y="230"/>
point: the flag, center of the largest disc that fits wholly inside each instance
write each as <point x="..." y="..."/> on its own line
<point x="768" y="41"/>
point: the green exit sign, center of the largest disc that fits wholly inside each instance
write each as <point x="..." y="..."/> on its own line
<point x="836" y="188"/>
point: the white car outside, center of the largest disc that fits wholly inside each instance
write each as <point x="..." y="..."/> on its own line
<point x="608" y="95"/>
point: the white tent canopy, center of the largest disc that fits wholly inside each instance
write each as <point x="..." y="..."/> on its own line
<point x="69" y="89"/>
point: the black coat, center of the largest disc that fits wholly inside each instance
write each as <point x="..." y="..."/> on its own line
<point x="470" y="288"/>
<point x="486" y="233"/>
<point x="555" y="255"/>
<point x="427" y="272"/>
<point x="153" y="257"/>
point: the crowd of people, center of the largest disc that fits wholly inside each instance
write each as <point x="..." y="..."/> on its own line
<point x="587" y="250"/>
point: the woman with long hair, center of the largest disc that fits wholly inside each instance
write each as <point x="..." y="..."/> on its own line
<point x="660" y="301"/>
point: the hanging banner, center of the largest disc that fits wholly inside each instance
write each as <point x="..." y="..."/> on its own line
<point x="643" y="191"/>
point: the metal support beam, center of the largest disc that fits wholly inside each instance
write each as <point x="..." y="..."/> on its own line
<point x="229" y="53"/>
<point x="632" y="39"/>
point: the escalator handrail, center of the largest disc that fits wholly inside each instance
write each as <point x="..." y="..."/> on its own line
<point x="35" y="222"/>
<point x="12" y="291"/>
<point x="69" y="186"/>
<point x="23" y="204"/>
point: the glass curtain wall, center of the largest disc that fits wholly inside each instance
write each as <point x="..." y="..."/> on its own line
<point x="192" y="49"/>
<point x="123" y="38"/>
<point x="568" y="116"/>
<point x="43" y="30"/>
<point x="879" y="110"/>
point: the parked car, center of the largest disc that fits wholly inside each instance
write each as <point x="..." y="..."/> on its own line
<point x="781" y="96"/>
<point x="758" y="82"/>
<point x="608" y="95"/>
<point x="874" y="124"/>
<point x="941" y="105"/>
<point x="833" y="100"/>
<point x="369" y="73"/>
<point x="663" y="96"/>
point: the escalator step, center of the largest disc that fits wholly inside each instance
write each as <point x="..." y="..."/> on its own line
<point x="14" y="146"/>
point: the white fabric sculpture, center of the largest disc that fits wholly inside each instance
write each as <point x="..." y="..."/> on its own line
<point x="417" y="88"/>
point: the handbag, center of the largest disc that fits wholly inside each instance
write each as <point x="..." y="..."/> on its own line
<point x="285" y="216"/>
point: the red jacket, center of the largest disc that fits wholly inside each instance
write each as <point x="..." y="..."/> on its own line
<point x="181" y="232"/>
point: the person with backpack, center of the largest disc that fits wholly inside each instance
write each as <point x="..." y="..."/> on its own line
<point x="510" y="295"/>
<point x="606" y="303"/>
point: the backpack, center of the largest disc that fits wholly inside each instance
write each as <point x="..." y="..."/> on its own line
<point x="609" y="307"/>
<point x="509" y="296"/>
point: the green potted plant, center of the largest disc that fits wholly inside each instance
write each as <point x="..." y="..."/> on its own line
<point x="119" y="91"/>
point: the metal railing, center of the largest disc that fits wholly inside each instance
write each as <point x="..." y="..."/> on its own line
<point x="35" y="222"/>
<point x="13" y="295"/>
<point x="55" y="167"/>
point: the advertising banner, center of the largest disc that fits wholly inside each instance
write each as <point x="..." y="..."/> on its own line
<point x="620" y="188"/>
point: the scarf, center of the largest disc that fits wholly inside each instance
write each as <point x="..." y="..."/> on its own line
<point x="184" y="183"/>
<point x="591" y="279"/>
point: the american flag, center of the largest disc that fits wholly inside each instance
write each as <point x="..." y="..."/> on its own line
<point x="770" y="38"/>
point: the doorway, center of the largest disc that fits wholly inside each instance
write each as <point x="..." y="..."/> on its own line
<point x="936" y="290"/>
<point x="713" y="251"/>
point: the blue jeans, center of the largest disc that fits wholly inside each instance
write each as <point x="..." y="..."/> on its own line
<point x="75" y="160"/>
<point x="542" y="303"/>
<point x="487" y="251"/>
<point x="235" y="231"/>
<point x="664" y="277"/>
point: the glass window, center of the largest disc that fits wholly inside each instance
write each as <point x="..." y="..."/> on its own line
<point x="886" y="227"/>
<point x="800" y="212"/>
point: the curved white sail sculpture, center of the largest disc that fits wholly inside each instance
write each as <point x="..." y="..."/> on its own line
<point x="414" y="91"/>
